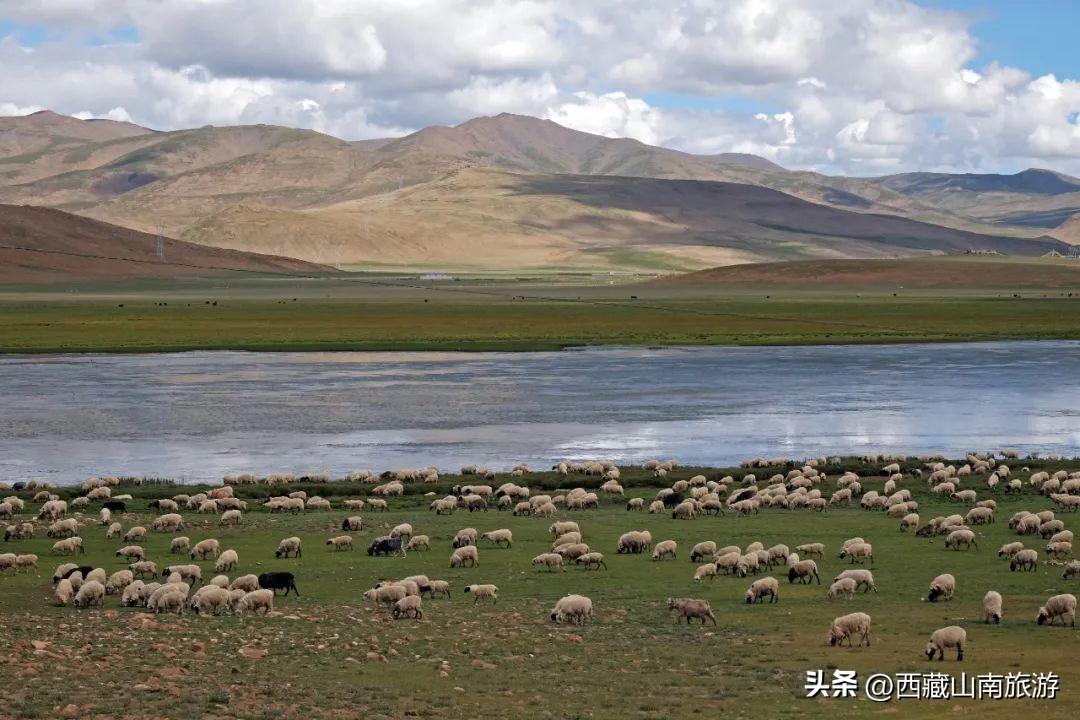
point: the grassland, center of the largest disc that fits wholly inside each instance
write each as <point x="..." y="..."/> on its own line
<point x="386" y="312"/>
<point x="330" y="655"/>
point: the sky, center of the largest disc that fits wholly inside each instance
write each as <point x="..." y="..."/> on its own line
<point x="857" y="87"/>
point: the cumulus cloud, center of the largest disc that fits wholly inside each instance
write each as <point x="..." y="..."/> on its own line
<point x="858" y="86"/>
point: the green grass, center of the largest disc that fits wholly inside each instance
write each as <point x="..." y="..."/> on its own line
<point x="383" y="313"/>
<point x="508" y="660"/>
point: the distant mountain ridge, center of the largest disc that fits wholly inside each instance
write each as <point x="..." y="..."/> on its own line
<point x="507" y="191"/>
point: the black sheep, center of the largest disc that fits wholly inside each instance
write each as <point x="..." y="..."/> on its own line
<point x="278" y="581"/>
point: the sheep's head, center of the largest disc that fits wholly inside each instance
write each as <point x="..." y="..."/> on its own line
<point x="1043" y="616"/>
<point x="749" y="596"/>
<point x="931" y="649"/>
<point x="935" y="593"/>
<point x="842" y="554"/>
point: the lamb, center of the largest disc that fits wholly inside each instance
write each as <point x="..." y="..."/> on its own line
<point x="408" y="606"/>
<point x="803" y="571"/>
<point x="500" y="536"/>
<point x="550" y="561"/>
<point x="944" y="638"/>
<point x="1059" y="606"/>
<point x="861" y="577"/>
<point x="690" y="608"/>
<point x="962" y="537"/>
<point x="247" y="583"/>
<point x="846" y="626"/>
<point x="131" y="552"/>
<point x="573" y="609"/>
<point x="179" y="545"/>
<point x="288" y="545"/>
<point x="1025" y="559"/>
<point x="844" y="587"/>
<point x="483" y="592"/>
<point x="943" y="585"/>
<point x="227" y="562"/>
<point x="665" y="548"/>
<point x="762" y="587"/>
<point x="255" y="602"/>
<point x="341" y="542"/>
<point x="118" y="581"/>
<point x="992" y="606"/>
<point x="93" y="593"/>
<point x="461" y="554"/>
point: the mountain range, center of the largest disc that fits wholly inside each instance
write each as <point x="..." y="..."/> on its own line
<point x="511" y="192"/>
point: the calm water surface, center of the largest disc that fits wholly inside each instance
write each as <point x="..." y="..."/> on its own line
<point x="197" y="416"/>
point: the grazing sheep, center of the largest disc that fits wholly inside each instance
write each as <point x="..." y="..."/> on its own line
<point x="500" y="536"/>
<point x="1059" y="606"/>
<point x="341" y="542"/>
<point x="665" y="548"/>
<point x="943" y="586"/>
<point x="1059" y="549"/>
<point x="979" y="516"/>
<point x="170" y="522"/>
<point x="227" y="562"/>
<point x="708" y="570"/>
<point x="857" y="552"/>
<point x="204" y="548"/>
<point x="1072" y="569"/>
<point x="68" y="546"/>
<point x="419" y="542"/>
<point x="811" y="549"/>
<point x="703" y="550"/>
<point x="131" y="552"/>
<point x="863" y="578"/>
<point x="247" y="583"/>
<point x="440" y="587"/>
<point x="690" y="608"/>
<point x="1024" y="560"/>
<point x="404" y="530"/>
<point x="179" y="545"/>
<point x="846" y="626"/>
<point x="63" y="593"/>
<point x="287" y="546"/>
<point x="92" y="593"/>
<point x="762" y="587"/>
<point x="804" y="571"/>
<point x="144" y="568"/>
<point x="386" y="594"/>
<point x="255" y="602"/>
<point x="992" y="606"/>
<point x="463" y="537"/>
<point x="635" y="504"/>
<point x="232" y="517"/>
<point x="573" y="609"/>
<point x="591" y="560"/>
<point x="25" y="562"/>
<point x="135" y="534"/>
<point x="944" y="638"/>
<point x="408" y="606"/>
<point x="132" y="594"/>
<point x="118" y="581"/>
<point x="221" y="581"/>
<point x="461" y="554"/>
<point x="562" y="527"/>
<point x="190" y="574"/>
<point x="483" y="592"/>
<point x="211" y="600"/>
<point x="844" y="587"/>
<point x="550" y="561"/>
<point x="961" y="538"/>
<point x="115" y="530"/>
<point x="1008" y="550"/>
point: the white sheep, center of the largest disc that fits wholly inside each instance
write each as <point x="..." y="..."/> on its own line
<point x="64" y="592"/>
<point x="408" y="606"/>
<point x="227" y="562"/>
<point x="1059" y="606"/>
<point x="847" y="626"/>
<point x="91" y="593"/>
<point x="952" y="636"/>
<point x="255" y="602"/>
<point x="463" y="554"/>
<point x="483" y="592"/>
<point x="341" y="542"/>
<point x="287" y="546"/>
<point x="549" y="560"/>
<point x="992" y="606"/>
<point x="665" y="548"/>
<point x="943" y="585"/>
<point x="762" y="588"/>
<point x="499" y="537"/>
<point x="844" y="587"/>
<point x="573" y="609"/>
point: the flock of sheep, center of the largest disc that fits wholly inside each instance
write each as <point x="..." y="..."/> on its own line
<point x="176" y="587"/>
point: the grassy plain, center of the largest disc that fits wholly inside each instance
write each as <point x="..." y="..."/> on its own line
<point x="330" y="655"/>
<point x="508" y="312"/>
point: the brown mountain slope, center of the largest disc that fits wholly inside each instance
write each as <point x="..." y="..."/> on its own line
<point x="953" y="272"/>
<point x="490" y="219"/>
<point x="45" y="245"/>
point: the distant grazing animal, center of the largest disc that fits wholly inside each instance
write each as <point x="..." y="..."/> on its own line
<point x="278" y="581"/>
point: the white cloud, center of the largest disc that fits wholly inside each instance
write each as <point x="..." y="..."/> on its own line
<point x="838" y="85"/>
